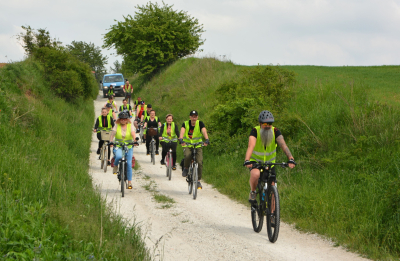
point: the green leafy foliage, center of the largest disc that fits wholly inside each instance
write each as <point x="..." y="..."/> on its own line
<point x="91" y="55"/>
<point x="154" y="37"/>
<point x="240" y="100"/>
<point x="69" y="78"/>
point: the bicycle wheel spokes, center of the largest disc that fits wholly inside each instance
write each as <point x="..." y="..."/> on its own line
<point x="195" y="179"/>
<point x="190" y="181"/>
<point x="166" y="164"/>
<point x="273" y="214"/>
<point x="153" y="153"/>
<point x="105" y="157"/>
<point x="257" y="213"/>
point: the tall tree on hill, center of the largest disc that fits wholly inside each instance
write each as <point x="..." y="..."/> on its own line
<point x="90" y="54"/>
<point x="154" y="37"/>
<point x="117" y="67"/>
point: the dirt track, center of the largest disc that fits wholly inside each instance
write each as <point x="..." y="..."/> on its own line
<point x="213" y="227"/>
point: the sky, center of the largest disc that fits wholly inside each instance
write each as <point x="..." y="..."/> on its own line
<point x="247" y="32"/>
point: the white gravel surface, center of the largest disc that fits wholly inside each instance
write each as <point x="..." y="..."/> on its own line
<point x="212" y="227"/>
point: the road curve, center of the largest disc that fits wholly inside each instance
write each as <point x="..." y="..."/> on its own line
<point x="212" y="227"/>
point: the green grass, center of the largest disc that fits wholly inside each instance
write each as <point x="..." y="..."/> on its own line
<point x="343" y="130"/>
<point x="49" y="208"/>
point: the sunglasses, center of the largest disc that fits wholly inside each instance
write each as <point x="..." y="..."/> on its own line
<point x="267" y="123"/>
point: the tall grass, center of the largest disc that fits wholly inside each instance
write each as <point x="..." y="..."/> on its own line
<point x="345" y="139"/>
<point x="49" y="209"/>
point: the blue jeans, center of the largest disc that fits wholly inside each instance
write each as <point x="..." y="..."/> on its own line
<point x="118" y="157"/>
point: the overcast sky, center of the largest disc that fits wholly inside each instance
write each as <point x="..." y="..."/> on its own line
<point x="248" y="32"/>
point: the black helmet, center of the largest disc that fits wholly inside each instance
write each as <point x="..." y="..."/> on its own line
<point x="123" y="115"/>
<point x="108" y="105"/>
<point x="265" y="116"/>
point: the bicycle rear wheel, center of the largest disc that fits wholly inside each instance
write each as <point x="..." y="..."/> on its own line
<point x="195" y="180"/>
<point x="273" y="219"/>
<point x="105" y="157"/>
<point x="169" y="166"/>
<point x="190" y="180"/>
<point x="101" y="158"/>
<point x="257" y="212"/>
<point x="122" y="175"/>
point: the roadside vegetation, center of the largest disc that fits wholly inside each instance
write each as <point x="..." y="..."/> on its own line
<point x="49" y="209"/>
<point x="337" y="122"/>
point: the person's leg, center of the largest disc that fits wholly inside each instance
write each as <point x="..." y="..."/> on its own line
<point x="118" y="157"/>
<point x="199" y="159"/>
<point x="164" y="151"/>
<point x="148" y="139"/>
<point x="157" y="142"/>
<point x="173" y="147"/>
<point x="129" y="163"/>
<point x="188" y="157"/>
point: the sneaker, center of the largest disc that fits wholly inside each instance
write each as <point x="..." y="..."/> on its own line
<point x="156" y="152"/>
<point x="185" y="172"/>
<point x="130" y="186"/>
<point x="199" y="186"/>
<point x="147" y="153"/>
<point x="137" y="131"/>
<point x="115" y="169"/>
<point x="108" y="163"/>
<point x="98" y="151"/>
<point x="99" y="157"/>
<point x="252" y="197"/>
<point x="162" y="162"/>
<point x="174" y="167"/>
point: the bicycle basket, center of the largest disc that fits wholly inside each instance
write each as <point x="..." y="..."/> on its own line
<point x="152" y="131"/>
<point x="105" y="135"/>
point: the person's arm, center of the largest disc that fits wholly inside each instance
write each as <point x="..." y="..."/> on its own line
<point x="96" y="125"/>
<point x="204" y="131"/>
<point x="250" y="148"/>
<point x="281" y="142"/>
<point x="114" y="117"/>
<point x="145" y="123"/>
<point x="176" y="130"/>
<point x="161" y="132"/>
<point x="159" y="122"/>
<point x="181" y="135"/>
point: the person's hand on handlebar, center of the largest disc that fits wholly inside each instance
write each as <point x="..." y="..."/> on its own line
<point x="206" y="142"/>
<point x="248" y="164"/>
<point x="291" y="163"/>
<point x="95" y="130"/>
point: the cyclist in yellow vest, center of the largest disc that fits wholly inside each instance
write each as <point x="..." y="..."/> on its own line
<point x="103" y="122"/>
<point x="123" y="130"/>
<point x="126" y="107"/>
<point x="191" y="132"/>
<point x="127" y="90"/>
<point x="137" y="102"/>
<point x="262" y="145"/>
<point x="110" y="91"/>
<point x="145" y="116"/>
<point x="152" y="121"/>
<point x="169" y="132"/>
<point x="110" y="111"/>
<point x="113" y="103"/>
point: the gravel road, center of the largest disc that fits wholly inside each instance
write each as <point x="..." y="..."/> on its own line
<point x="212" y="227"/>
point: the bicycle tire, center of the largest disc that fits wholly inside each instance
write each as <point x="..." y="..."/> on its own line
<point x="169" y="166"/>
<point x="101" y="158"/>
<point x="166" y="164"/>
<point x="190" y="180"/>
<point x="195" y="180"/>
<point x="257" y="212"/>
<point x="122" y="173"/>
<point x="105" y="156"/>
<point x="153" y="153"/>
<point x="273" y="229"/>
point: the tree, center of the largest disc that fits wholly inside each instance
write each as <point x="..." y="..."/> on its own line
<point x="90" y="54"/>
<point x="154" y="37"/>
<point x="33" y="39"/>
<point x="117" y="67"/>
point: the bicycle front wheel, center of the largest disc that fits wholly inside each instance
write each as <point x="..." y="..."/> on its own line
<point x="273" y="214"/>
<point x="101" y="158"/>
<point x="122" y="174"/>
<point x="153" y="153"/>
<point x="195" y="180"/>
<point x="190" y="180"/>
<point x="105" y="157"/>
<point x="169" y="166"/>
<point x="257" y="212"/>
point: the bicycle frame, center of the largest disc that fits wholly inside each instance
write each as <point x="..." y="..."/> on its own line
<point x="192" y="177"/>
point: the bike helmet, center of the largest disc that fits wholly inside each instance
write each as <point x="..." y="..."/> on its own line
<point x="108" y="105"/>
<point x="123" y="115"/>
<point x="265" y="116"/>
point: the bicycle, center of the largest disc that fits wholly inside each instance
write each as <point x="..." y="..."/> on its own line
<point x="123" y="165"/>
<point x="128" y="97"/>
<point x="168" y="162"/>
<point x="152" y="132"/>
<point x="105" y="135"/>
<point x="268" y="204"/>
<point x="192" y="177"/>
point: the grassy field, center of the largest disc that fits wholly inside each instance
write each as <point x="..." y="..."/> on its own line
<point x="343" y="131"/>
<point x="48" y="207"/>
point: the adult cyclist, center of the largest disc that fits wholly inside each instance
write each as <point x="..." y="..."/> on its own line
<point x="112" y="102"/>
<point x="110" y="91"/>
<point x="169" y="139"/>
<point x="103" y="122"/>
<point x="262" y="145"/>
<point x="126" y="107"/>
<point x="137" y="102"/>
<point x="152" y="121"/>
<point x="124" y="131"/>
<point x="128" y="90"/>
<point x="145" y="116"/>
<point x="192" y="132"/>
<point x="110" y="111"/>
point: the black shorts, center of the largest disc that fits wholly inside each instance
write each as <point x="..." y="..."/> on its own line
<point x="273" y="172"/>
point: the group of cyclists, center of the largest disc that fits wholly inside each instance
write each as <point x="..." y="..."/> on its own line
<point x="262" y="143"/>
